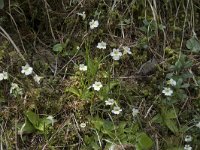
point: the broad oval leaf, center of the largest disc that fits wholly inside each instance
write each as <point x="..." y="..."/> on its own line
<point x="193" y="44"/>
<point x="58" y="48"/>
<point x="27" y="128"/>
<point x="33" y="118"/>
<point x="144" y="142"/>
<point x="171" y="124"/>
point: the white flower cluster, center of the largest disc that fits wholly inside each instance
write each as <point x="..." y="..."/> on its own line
<point x="83" y="15"/>
<point x="82" y="67"/>
<point x="167" y="91"/>
<point x="198" y="125"/>
<point x="27" y="70"/>
<point x="116" y="54"/>
<point x="51" y="119"/>
<point x="83" y="125"/>
<point x="135" y="111"/>
<point x="116" y="109"/>
<point x="101" y="45"/>
<point x="187" y="147"/>
<point x="3" y="76"/>
<point x="188" y="138"/>
<point x="37" y="79"/>
<point x="15" y="90"/>
<point x="94" y="24"/>
<point x="97" y="85"/>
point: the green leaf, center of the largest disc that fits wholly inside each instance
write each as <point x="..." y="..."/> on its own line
<point x="44" y="124"/>
<point x="1" y="4"/>
<point x="27" y="128"/>
<point x="108" y="125"/>
<point x="186" y="85"/>
<point x="188" y="64"/>
<point x="171" y="124"/>
<point x="73" y="90"/>
<point x="98" y="123"/>
<point x="110" y="86"/>
<point x="157" y="118"/>
<point x="58" y="48"/>
<point x="33" y="118"/>
<point x="181" y="63"/>
<point x="193" y="45"/>
<point x="85" y="94"/>
<point x="138" y="147"/>
<point x="92" y="68"/>
<point x="178" y="65"/>
<point x="109" y="133"/>
<point x="179" y="82"/>
<point x="144" y="142"/>
<point x="106" y="89"/>
<point x="186" y="75"/>
<point x="171" y="114"/>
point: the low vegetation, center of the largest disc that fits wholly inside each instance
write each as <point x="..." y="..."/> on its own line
<point x="92" y="75"/>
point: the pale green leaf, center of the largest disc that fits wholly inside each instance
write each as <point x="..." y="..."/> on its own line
<point x="171" y="114"/>
<point x="27" y="128"/>
<point x="33" y="118"/>
<point x="73" y="90"/>
<point x="58" y="48"/>
<point x="171" y="124"/>
<point x="144" y="142"/>
<point x="193" y="44"/>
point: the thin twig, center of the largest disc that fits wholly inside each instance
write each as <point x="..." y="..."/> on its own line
<point x="5" y="34"/>
<point x="184" y="25"/>
<point x="20" y="38"/>
<point x="50" y="26"/>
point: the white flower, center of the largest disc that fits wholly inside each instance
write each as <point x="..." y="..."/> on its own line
<point x="27" y="70"/>
<point x="82" y="67"/>
<point x="51" y="119"/>
<point x="101" y="45"/>
<point x="198" y="125"/>
<point x="37" y="79"/>
<point x="116" y="110"/>
<point x="116" y="54"/>
<point x="127" y="50"/>
<point x="77" y="47"/>
<point x="15" y="89"/>
<point x="187" y="147"/>
<point x="110" y="101"/>
<point x="3" y="76"/>
<point x="167" y="91"/>
<point x="135" y="112"/>
<point x="83" y="125"/>
<point x="112" y="147"/>
<point x="94" y="24"/>
<point x="188" y="138"/>
<point x="171" y="82"/>
<point x="83" y="15"/>
<point x="97" y="86"/>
